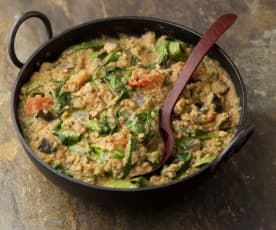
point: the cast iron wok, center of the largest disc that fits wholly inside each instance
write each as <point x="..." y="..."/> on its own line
<point x="113" y="27"/>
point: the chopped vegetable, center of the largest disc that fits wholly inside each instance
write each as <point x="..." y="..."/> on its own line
<point x="33" y="90"/>
<point x="117" y="86"/>
<point x="142" y="78"/>
<point x="60" y="167"/>
<point x="61" y="102"/>
<point x="205" y="160"/>
<point x="162" y="49"/>
<point x="169" y="49"/>
<point x="103" y="126"/>
<point x="46" y="115"/>
<point x="98" y="54"/>
<point x="141" y="125"/>
<point x="83" y="150"/>
<point x="140" y="181"/>
<point x="137" y="182"/>
<point x="109" y="58"/>
<point x="114" y="83"/>
<point x="117" y="154"/>
<point x="46" y="146"/>
<point x="127" y="167"/>
<point x="97" y="154"/>
<point x="174" y="48"/>
<point x="37" y="103"/>
<point x="88" y="45"/>
<point x="66" y="137"/>
<point x="119" y="184"/>
<point x="61" y="99"/>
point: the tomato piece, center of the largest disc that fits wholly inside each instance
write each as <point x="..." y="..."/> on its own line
<point x="37" y="103"/>
<point x="145" y="80"/>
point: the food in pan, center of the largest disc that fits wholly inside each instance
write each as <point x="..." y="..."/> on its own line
<point x="93" y="114"/>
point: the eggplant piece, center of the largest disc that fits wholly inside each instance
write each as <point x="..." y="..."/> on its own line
<point x="46" y="115"/>
<point x="202" y="108"/>
<point x="199" y="104"/>
<point x="218" y="104"/>
<point x="46" y="146"/>
<point x="140" y="99"/>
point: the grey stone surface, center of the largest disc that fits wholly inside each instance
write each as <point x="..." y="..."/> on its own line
<point x="241" y="195"/>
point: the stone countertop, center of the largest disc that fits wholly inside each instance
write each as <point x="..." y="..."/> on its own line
<point x="241" y="195"/>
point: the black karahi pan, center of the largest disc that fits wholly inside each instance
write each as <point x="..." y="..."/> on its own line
<point x="114" y="26"/>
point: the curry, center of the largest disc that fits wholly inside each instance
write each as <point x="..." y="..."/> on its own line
<point x="93" y="114"/>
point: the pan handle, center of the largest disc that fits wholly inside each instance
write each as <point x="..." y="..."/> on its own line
<point x="23" y="18"/>
<point x="235" y="145"/>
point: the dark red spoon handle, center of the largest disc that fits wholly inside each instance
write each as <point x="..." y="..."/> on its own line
<point x="199" y="51"/>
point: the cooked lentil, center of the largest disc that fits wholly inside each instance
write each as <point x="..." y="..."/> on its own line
<point x="93" y="114"/>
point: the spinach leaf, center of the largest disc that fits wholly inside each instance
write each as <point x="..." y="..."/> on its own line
<point x="33" y="90"/>
<point x="117" y="154"/>
<point x="118" y="84"/>
<point x="197" y="134"/>
<point x="61" y="100"/>
<point x="175" y="51"/>
<point x="66" y="137"/>
<point x="131" y="147"/>
<point x="114" y="56"/>
<point x="205" y="160"/>
<point x="83" y="150"/>
<point x="103" y="126"/>
<point x="141" y="125"/>
<point x="114" y="83"/>
<point x="60" y="167"/>
<point x="98" y="54"/>
<point x="137" y="182"/>
<point x="162" y="49"/>
<point x="119" y="184"/>
<point x="140" y="182"/>
<point x="169" y="49"/>
<point x="97" y="154"/>
<point x="88" y="45"/>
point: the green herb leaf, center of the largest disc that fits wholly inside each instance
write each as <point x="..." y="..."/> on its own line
<point x="103" y="126"/>
<point x="83" y="150"/>
<point x="109" y="58"/>
<point x="141" y="125"/>
<point x="97" y="154"/>
<point x="119" y="184"/>
<point x="66" y="137"/>
<point x="117" y="154"/>
<point x="61" y="100"/>
<point x="98" y="54"/>
<point x="60" y="167"/>
<point x="33" y="90"/>
<point x="205" y="160"/>
<point x="88" y="45"/>
<point x="131" y="147"/>
<point x="93" y="125"/>
<point x="114" y="83"/>
<point x="140" y="182"/>
<point x="162" y="49"/>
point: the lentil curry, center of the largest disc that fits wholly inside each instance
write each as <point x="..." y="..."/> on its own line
<point x="93" y="114"/>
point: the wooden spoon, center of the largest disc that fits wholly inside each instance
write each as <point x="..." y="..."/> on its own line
<point x="199" y="51"/>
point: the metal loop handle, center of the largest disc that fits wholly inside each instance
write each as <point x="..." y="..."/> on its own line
<point x="23" y="18"/>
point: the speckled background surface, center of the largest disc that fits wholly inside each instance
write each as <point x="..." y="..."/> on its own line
<point x="241" y="195"/>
